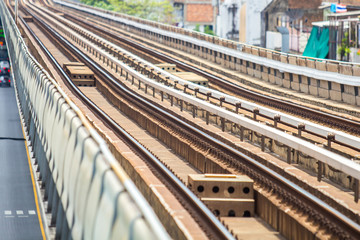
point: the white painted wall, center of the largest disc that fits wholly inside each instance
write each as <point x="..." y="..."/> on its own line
<point x="303" y="41"/>
<point x="252" y="19"/>
<point x="225" y="18"/>
<point x="273" y="40"/>
<point x="193" y="26"/>
<point x="353" y="55"/>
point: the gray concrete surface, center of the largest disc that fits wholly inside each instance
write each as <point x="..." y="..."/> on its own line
<point x="18" y="215"/>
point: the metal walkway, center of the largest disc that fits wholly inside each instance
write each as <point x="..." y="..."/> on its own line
<point x="19" y="216"/>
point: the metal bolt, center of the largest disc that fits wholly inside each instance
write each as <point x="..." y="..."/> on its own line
<point x="276" y="120"/>
<point x="301" y="127"/>
<point x="255" y="112"/>
<point x="238" y="106"/>
<point x="208" y="95"/>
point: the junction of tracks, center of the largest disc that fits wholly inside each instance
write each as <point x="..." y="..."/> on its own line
<point x="268" y="149"/>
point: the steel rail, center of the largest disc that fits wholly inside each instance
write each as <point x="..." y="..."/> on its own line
<point x="349" y="226"/>
<point x="129" y="185"/>
<point x="215" y="228"/>
<point x="317" y="131"/>
<point x="284" y="67"/>
<point x="339" y="138"/>
<point x="336" y="160"/>
<point x="293" y="108"/>
<point x="239" y="45"/>
<point x="346" y="124"/>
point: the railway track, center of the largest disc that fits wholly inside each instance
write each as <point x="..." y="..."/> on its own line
<point x="262" y="175"/>
<point x="273" y="181"/>
<point x="327" y="119"/>
<point x="330" y="120"/>
<point x="211" y="225"/>
<point x="295" y="130"/>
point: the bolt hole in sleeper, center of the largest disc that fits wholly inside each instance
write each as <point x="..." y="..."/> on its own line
<point x="216" y="212"/>
<point x="215" y="189"/>
<point x="247" y="214"/>
<point x="231" y="190"/>
<point x="200" y="188"/>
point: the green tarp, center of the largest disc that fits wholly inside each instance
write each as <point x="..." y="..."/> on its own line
<point x="318" y="43"/>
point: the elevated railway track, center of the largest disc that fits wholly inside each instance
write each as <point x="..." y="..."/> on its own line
<point x="211" y="225"/>
<point x="114" y="35"/>
<point x="283" y="121"/>
<point x="314" y="75"/>
<point x="334" y="221"/>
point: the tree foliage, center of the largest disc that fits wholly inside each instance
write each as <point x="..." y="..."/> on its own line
<point x="207" y="29"/>
<point x="160" y="11"/>
<point x="344" y="48"/>
<point x="197" y="28"/>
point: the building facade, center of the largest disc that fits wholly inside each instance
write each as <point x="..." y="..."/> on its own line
<point x="295" y="15"/>
<point x="195" y="14"/>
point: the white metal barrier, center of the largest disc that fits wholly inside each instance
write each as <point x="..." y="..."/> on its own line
<point x="89" y="194"/>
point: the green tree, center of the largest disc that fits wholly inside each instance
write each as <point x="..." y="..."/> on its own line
<point x="197" y="28"/>
<point x="208" y="31"/>
<point x="160" y="11"/>
<point x="344" y="49"/>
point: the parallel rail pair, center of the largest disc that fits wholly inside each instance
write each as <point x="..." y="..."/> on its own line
<point x="273" y="178"/>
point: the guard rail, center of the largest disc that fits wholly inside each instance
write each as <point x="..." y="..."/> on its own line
<point x="89" y="194"/>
